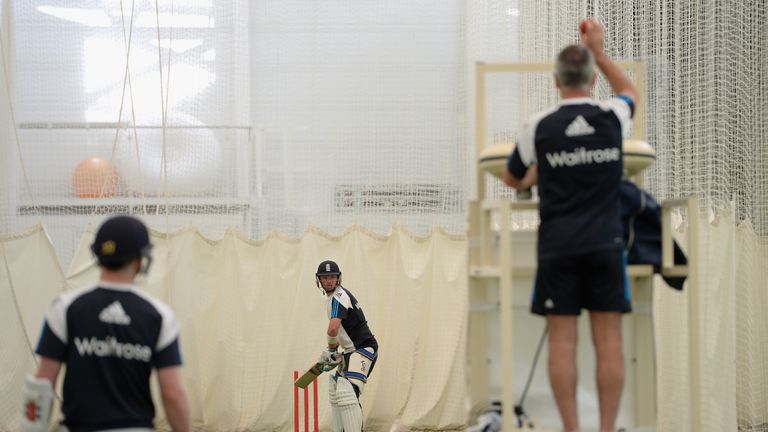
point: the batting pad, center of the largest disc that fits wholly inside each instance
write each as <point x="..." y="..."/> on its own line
<point x="350" y="412"/>
<point x="351" y="418"/>
<point x="337" y="425"/>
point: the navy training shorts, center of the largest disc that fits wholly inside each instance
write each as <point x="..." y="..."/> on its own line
<point x="596" y="281"/>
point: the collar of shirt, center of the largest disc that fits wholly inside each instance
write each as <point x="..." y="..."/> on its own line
<point x="117" y="286"/>
<point x="576" y="101"/>
<point x="333" y="293"/>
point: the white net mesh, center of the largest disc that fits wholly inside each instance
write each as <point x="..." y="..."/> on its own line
<point x="710" y="134"/>
<point x="278" y="115"/>
<point x="358" y="119"/>
<point x="705" y="115"/>
<point x="706" y="118"/>
<point x="265" y="117"/>
<point x="166" y="133"/>
<point x="360" y="115"/>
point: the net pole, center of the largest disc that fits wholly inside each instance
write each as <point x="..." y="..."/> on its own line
<point x="295" y="403"/>
<point x="694" y="316"/>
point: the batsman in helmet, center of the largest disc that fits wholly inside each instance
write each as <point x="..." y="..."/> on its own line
<point x="111" y="336"/>
<point x="349" y="333"/>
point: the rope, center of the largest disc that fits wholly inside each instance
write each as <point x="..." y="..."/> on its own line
<point x="126" y="80"/>
<point x="16" y="304"/>
<point x="12" y="112"/>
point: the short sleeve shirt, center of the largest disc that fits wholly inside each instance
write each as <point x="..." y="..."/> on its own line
<point x="577" y="147"/>
<point x="354" y="332"/>
<point x="110" y="337"/>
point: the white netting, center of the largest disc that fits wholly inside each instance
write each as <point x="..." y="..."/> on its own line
<point x="706" y="90"/>
<point x="166" y="133"/>
<point x="265" y="116"/>
<point x="329" y="115"/>
<point x="360" y="114"/>
<point x="278" y="115"/>
<point x="705" y="115"/>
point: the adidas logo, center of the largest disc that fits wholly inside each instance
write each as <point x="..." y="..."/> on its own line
<point x="114" y="314"/>
<point x="579" y="127"/>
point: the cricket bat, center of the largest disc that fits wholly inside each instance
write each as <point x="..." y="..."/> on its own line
<point x="309" y="376"/>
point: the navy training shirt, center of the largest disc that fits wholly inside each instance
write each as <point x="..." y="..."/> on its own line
<point x="110" y="337"/>
<point x="577" y="147"/>
<point x="354" y="332"/>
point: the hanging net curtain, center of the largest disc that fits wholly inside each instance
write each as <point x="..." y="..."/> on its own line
<point x="255" y="139"/>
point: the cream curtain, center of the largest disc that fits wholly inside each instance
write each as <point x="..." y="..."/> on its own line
<point x="733" y="341"/>
<point x="250" y="314"/>
<point x="30" y="278"/>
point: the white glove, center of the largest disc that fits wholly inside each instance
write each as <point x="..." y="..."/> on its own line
<point x="38" y="401"/>
<point x="330" y="360"/>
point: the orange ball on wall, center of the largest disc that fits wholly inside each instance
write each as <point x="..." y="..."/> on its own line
<point x="95" y="178"/>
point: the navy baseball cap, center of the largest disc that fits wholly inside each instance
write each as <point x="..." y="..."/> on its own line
<point x="119" y="240"/>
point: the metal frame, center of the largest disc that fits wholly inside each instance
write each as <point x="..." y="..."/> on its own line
<point x="481" y="69"/>
<point x="694" y="297"/>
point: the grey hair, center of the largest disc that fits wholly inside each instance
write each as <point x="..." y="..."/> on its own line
<point x="575" y="67"/>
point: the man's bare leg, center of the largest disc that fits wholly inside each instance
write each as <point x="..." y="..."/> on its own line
<point x="563" y="376"/>
<point x="606" y="335"/>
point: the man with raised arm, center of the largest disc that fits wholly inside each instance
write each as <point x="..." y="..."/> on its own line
<point x="574" y="152"/>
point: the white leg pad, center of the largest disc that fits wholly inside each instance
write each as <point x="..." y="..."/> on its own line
<point x="38" y="402"/>
<point x="349" y="407"/>
<point x="337" y="426"/>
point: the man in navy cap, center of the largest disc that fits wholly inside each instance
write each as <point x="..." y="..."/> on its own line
<point x="110" y="336"/>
